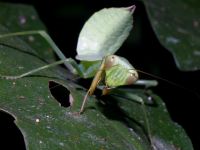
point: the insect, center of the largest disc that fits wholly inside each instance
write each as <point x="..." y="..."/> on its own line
<point x="93" y="47"/>
<point x="101" y="36"/>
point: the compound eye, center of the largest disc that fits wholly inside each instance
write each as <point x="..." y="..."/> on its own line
<point x="112" y="58"/>
<point x="132" y="78"/>
<point x="132" y="74"/>
<point x="110" y="61"/>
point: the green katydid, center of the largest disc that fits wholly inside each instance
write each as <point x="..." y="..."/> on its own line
<point x="101" y="36"/>
<point x="97" y="43"/>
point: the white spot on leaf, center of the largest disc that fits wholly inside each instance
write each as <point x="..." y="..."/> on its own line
<point x="195" y="23"/>
<point x="20" y="67"/>
<point x="31" y="38"/>
<point x="172" y="40"/>
<point x="161" y="144"/>
<point x="21" y="97"/>
<point x="149" y="98"/>
<point x="22" y="20"/>
<point x="37" y="120"/>
<point x="196" y="52"/>
<point x="61" y="144"/>
<point x="48" y="127"/>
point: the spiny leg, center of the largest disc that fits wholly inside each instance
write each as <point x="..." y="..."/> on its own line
<point x="34" y="70"/>
<point x="70" y="64"/>
<point x="92" y="88"/>
<point x="140" y="100"/>
<point x="84" y="101"/>
<point x="94" y="84"/>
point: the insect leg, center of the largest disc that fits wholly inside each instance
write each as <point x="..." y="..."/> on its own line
<point x="94" y="84"/>
<point x="140" y="100"/>
<point x="34" y="70"/>
<point x="70" y="64"/>
<point x="147" y="83"/>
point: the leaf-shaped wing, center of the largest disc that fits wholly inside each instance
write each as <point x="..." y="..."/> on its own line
<point x="104" y="33"/>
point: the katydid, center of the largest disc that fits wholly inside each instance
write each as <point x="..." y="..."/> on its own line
<point x="101" y="36"/>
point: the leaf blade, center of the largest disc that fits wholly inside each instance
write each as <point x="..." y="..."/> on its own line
<point x="177" y="30"/>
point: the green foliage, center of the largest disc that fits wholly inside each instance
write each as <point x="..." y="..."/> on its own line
<point x="177" y="26"/>
<point x="112" y="122"/>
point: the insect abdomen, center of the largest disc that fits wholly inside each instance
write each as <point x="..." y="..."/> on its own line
<point x="116" y="76"/>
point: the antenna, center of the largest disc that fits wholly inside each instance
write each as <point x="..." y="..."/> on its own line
<point x="170" y="82"/>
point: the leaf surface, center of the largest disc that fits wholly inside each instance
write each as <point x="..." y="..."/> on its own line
<point x="107" y="123"/>
<point x="177" y="27"/>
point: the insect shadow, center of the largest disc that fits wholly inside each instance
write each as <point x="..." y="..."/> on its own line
<point x="109" y="106"/>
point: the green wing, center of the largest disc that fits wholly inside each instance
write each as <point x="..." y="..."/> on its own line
<point x="116" y="76"/>
<point x="104" y="33"/>
<point x="119" y="71"/>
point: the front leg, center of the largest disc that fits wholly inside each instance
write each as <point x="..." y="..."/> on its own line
<point x="94" y="84"/>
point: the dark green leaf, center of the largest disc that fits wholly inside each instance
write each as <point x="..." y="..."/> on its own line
<point x="164" y="132"/>
<point x="177" y="26"/>
<point x="106" y="124"/>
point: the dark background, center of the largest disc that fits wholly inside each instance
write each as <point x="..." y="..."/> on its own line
<point x="64" y="21"/>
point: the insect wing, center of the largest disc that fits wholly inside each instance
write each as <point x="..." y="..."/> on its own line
<point x="116" y="76"/>
<point x="121" y="73"/>
<point x="104" y="33"/>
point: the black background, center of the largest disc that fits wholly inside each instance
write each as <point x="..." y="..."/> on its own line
<point x="64" y="20"/>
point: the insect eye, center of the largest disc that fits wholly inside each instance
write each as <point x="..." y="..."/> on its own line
<point x="132" y="78"/>
<point x="110" y="61"/>
<point x="133" y="75"/>
<point x="112" y="58"/>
